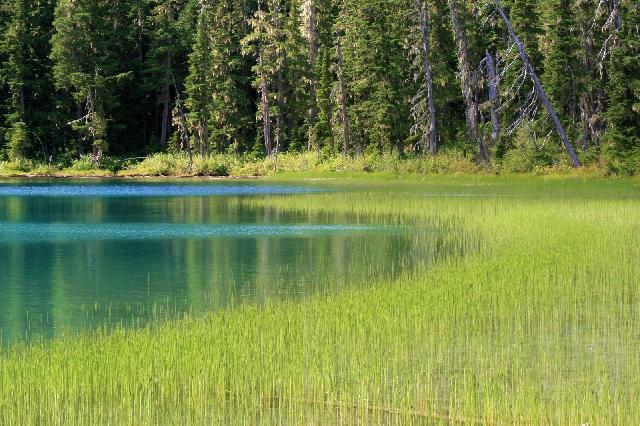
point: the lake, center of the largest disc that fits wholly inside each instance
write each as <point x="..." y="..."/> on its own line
<point x="86" y="254"/>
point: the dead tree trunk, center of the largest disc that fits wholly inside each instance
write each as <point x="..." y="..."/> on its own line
<point x="282" y="55"/>
<point x="423" y="14"/>
<point x="165" y="117"/>
<point x="493" y="97"/>
<point x="539" y="89"/>
<point x="180" y="120"/>
<point x="313" y="55"/>
<point x="343" y="101"/>
<point x="166" y="106"/>
<point x="279" y="116"/>
<point x="79" y="116"/>
<point x="203" y="136"/>
<point x="266" y="116"/>
<point x="464" y="62"/>
<point x="617" y="14"/>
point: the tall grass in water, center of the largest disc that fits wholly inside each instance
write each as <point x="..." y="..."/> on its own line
<point x="538" y="325"/>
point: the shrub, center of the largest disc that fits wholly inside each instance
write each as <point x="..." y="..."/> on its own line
<point x="531" y="153"/>
<point x="214" y="165"/>
<point x="82" y="164"/>
<point x="19" y="142"/>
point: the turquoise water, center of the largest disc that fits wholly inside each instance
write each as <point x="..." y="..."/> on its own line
<point x="78" y="255"/>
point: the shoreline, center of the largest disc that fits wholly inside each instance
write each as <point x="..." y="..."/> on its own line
<point x="123" y="177"/>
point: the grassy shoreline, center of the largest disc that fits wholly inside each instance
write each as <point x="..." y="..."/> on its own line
<point x="536" y="325"/>
<point x="231" y="165"/>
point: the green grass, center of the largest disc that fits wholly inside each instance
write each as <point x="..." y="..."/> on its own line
<point x="448" y="162"/>
<point x="537" y="323"/>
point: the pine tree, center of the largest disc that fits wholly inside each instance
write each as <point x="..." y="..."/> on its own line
<point x="622" y="117"/>
<point x="17" y="74"/>
<point x="26" y="70"/>
<point x="297" y="79"/>
<point x="424" y="107"/>
<point x="198" y="85"/>
<point x="324" y="73"/>
<point x="377" y="70"/>
<point x="309" y="12"/>
<point x="266" y="43"/>
<point x="562" y="70"/>
<point x="88" y="35"/>
<point x="217" y="84"/>
<point x="467" y="78"/>
<point x="161" y="59"/>
<point x="447" y="91"/>
<point x="525" y="19"/>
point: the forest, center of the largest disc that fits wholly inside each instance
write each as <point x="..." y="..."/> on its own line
<point x="548" y="81"/>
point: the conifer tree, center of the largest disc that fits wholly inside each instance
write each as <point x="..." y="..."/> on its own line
<point x="26" y="71"/>
<point x="216" y="86"/>
<point x="266" y="43"/>
<point x="323" y="70"/>
<point x="447" y="91"/>
<point x="297" y="79"/>
<point x="622" y="117"/>
<point x="164" y="14"/>
<point x="467" y="78"/>
<point x="377" y="70"/>
<point x="562" y="70"/>
<point x="309" y="13"/>
<point x="88" y="34"/>
<point x="198" y="85"/>
<point x="17" y="74"/>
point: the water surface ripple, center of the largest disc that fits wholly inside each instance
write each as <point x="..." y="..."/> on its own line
<point x="145" y="190"/>
<point x="68" y="232"/>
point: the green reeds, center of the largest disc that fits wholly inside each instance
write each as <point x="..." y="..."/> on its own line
<point x="535" y="322"/>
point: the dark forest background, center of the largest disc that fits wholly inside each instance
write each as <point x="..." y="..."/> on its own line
<point x="132" y="77"/>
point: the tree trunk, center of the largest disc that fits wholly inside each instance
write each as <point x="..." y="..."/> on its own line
<point x="165" y="117"/>
<point x="166" y="101"/>
<point x="79" y="115"/>
<point x="280" y="54"/>
<point x="464" y="63"/>
<point x="22" y="97"/>
<point x="313" y="55"/>
<point x="266" y="116"/>
<point x="180" y="122"/>
<point x="423" y="14"/>
<point x="585" y="115"/>
<point x="203" y="129"/>
<point x="343" y="102"/>
<point x="493" y="97"/>
<point x="539" y="89"/>
<point x="617" y="14"/>
<point x="280" y="117"/>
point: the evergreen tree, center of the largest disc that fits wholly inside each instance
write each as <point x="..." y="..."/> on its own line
<point x="297" y="79"/>
<point x="217" y="86"/>
<point x="323" y="71"/>
<point x="377" y="70"/>
<point x="562" y="70"/>
<point x="198" y="85"/>
<point x="88" y="35"/>
<point x="230" y="106"/>
<point x="30" y="114"/>
<point x="525" y="19"/>
<point x="447" y="91"/>
<point x="622" y="117"/>
<point x="266" y="43"/>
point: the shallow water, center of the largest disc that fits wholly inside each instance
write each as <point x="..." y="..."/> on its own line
<point x="77" y="255"/>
